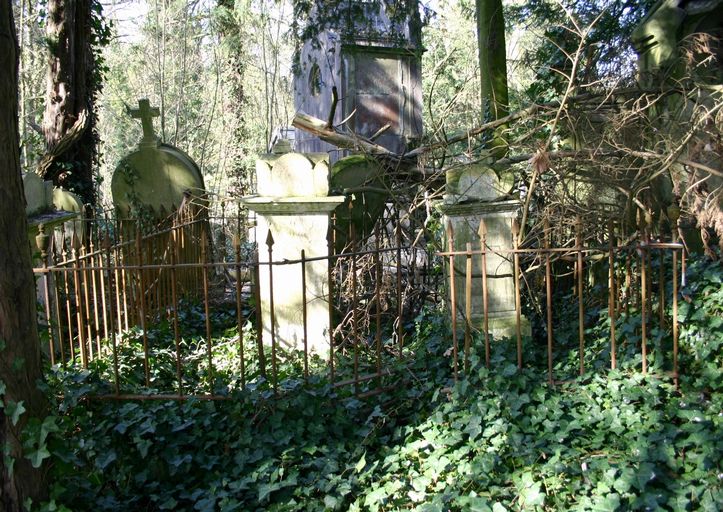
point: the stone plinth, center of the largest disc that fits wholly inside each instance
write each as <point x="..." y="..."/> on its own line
<point x="471" y="193"/>
<point x="297" y="222"/>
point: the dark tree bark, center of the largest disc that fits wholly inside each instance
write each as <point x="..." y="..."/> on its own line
<point x="20" y="368"/>
<point x="69" y="116"/>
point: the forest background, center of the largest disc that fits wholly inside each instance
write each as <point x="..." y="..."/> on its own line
<point x="222" y="72"/>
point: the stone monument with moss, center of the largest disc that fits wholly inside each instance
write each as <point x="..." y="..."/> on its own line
<point x="293" y="207"/>
<point x="476" y="192"/>
<point x="157" y="178"/>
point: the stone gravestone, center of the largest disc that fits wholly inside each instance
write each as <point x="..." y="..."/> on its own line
<point x="163" y="187"/>
<point x="476" y="192"/>
<point x="39" y="207"/>
<point x="293" y="204"/>
<point x="156" y="177"/>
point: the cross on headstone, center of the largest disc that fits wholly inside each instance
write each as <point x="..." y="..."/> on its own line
<point x="146" y="113"/>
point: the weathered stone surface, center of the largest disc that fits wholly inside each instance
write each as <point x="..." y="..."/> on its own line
<point x="294" y="205"/>
<point x="477" y="182"/>
<point x="69" y="202"/>
<point x="157" y="176"/>
<point x="465" y="220"/>
<point x="292" y="175"/>
<point x="38" y="194"/>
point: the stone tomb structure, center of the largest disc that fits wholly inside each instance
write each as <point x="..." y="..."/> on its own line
<point x="293" y="205"/>
<point x="477" y="192"/>
<point x="370" y="52"/>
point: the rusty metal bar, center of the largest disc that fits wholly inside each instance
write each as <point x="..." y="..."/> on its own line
<point x="68" y="308"/>
<point x="580" y="288"/>
<point x="207" y="309"/>
<point x="304" y="314"/>
<point x="354" y="325"/>
<point x="517" y="277"/>
<point x="123" y="282"/>
<point x="272" y="316"/>
<point x="176" y="330"/>
<point x="114" y="346"/>
<point x="612" y="295"/>
<point x="644" y="300"/>
<point x="400" y="298"/>
<point x="42" y="241"/>
<point x="378" y="303"/>
<point x="468" y="307"/>
<point x="673" y="214"/>
<point x="330" y="238"/>
<point x="142" y="305"/>
<point x="94" y="284"/>
<point x="453" y="298"/>
<point x="548" y="293"/>
<point x="59" y="323"/>
<point x="239" y="318"/>
<point x="259" y="319"/>
<point x="482" y="231"/>
<point x="79" y="302"/>
<point x="85" y="296"/>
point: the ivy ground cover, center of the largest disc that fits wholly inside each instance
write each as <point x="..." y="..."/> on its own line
<point x="499" y="439"/>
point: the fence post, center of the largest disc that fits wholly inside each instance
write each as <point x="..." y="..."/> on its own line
<point x="236" y="241"/>
<point x="482" y="231"/>
<point x="453" y="296"/>
<point x="354" y="325"/>
<point x="468" y="306"/>
<point x="643" y="291"/>
<point x="304" y="314"/>
<point x="517" y="277"/>
<point x="272" y="320"/>
<point x="400" y="298"/>
<point x="548" y="292"/>
<point x="612" y="293"/>
<point x="259" y="316"/>
<point x="580" y="287"/>
<point x="142" y="304"/>
<point x="42" y="241"/>
<point x="75" y="253"/>
<point x="674" y="215"/>
<point x="107" y="249"/>
<point x="330" y="239"/>
<point x="207" y="306"/>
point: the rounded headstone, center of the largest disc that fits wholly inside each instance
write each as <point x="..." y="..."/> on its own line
<point x="155" y="179"/>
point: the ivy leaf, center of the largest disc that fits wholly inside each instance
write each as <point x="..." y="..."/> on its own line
<point x="362" y="462"/>
<point x="38" y="456"/>
<point x="15" y="410"/>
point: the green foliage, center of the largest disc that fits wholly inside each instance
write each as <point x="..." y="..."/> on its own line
<point x="499" y="439"/>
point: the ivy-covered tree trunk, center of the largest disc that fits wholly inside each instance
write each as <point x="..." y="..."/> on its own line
<point x="69" y="115"/>
<point x="233" y="38"/>
<point x="493" y="65"/>
<point x="20" y="368"/>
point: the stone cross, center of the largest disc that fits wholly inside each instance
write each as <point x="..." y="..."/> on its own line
<point x="146" y="113"/>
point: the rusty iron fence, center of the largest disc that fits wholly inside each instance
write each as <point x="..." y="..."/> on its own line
<point x="103" y="288"/>
<point x="630" y="277"/>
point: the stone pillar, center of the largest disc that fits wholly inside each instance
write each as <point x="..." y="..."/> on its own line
<point x="476" y="192"/>
<point x="294" y="205"/>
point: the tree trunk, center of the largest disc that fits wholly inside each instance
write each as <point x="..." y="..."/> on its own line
<point x="493" y="66"/>
<point x="69" y="117"/>
<point x="20" y="368"/>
